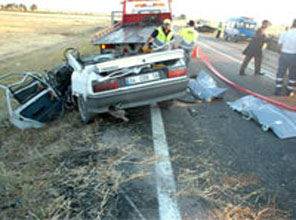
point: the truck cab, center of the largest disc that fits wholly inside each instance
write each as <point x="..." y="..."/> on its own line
<point x="139" y="20"/>
<point x="240" y="29"/>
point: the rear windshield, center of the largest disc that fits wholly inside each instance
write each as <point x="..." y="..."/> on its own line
<point x="147" y="6"/>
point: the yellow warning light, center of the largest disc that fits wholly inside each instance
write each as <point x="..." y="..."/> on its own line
<point x="103" y="46"/>
<point x="141" y="5"/>
<point x="158" y="4"/>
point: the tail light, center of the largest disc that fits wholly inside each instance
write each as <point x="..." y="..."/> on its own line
<point x="105" y="86"/>
<point x="177" y="73"/>
<point x="106" y="46"/>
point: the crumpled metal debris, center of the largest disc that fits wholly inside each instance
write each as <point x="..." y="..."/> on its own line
<point x="204" y="87"/>
<point x="34" y="99"/>
<point x="281" y="122"/>
<point x="121" y="114"/>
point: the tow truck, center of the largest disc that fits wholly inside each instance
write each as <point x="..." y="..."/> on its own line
<point x="120" y="76"/>
<point x="128" y="77"/>
<point x="139" y="20"/>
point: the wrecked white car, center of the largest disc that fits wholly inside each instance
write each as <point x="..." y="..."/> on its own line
<point x="126" y="82"/>
<point x="96" y="84"/>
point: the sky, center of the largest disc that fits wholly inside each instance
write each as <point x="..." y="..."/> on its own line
<point x="278" y="12"/>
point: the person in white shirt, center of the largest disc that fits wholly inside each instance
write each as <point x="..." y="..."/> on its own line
<point x="287" y="61"/>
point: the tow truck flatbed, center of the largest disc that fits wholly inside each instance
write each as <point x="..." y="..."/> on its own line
<point x="128" y="34"/>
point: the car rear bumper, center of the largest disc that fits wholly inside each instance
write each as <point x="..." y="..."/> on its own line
<point x="140" y="95"/>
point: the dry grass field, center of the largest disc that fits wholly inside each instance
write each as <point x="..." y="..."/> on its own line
<point x="35" y="42"/>
<point x="21" y="33"/>
<point x="31" y="162"/>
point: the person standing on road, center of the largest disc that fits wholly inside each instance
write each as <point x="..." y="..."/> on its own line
<point x="189" y="37"/>
<point x="160" y="36"/>
<point x="219" y="30"/>
<point x="254" y="49"/>
<point x="287" y="61"/>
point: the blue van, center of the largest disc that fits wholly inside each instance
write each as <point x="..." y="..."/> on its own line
<point x="239" y="29"/>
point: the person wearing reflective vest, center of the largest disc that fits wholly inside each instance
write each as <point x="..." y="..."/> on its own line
<point x="160" y="36"/>
<point x="189" y="37"/>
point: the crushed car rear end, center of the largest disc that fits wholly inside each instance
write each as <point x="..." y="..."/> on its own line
<point x="128" y="82"/>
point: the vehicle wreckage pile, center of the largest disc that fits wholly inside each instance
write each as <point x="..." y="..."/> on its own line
<point x="105" y="83"/>
<point x="37" y="99"/>
<point x="95" y="84"/>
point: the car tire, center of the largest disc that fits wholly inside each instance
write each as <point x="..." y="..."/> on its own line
<point x="85" y="116"/>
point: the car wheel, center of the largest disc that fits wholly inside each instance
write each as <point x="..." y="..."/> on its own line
<point x="85" y="116"/>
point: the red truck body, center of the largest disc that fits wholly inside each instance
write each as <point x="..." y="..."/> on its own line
<point x="139" y="19"/>
<point x="131" y="18"/>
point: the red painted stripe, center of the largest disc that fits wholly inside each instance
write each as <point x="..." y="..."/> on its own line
<point x="219" y="75"/>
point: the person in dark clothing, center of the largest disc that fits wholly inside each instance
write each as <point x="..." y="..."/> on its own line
<point x="254" y="49"/>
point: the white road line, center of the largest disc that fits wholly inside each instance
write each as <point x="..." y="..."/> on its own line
<point x="166" y="188"/>
<point x="269" y="74"/>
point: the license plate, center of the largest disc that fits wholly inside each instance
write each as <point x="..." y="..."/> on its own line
<point x="142" y="78"/>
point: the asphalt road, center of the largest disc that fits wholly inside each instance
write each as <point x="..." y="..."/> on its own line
<point x="235" y="146"/>
<point x="218" y="158"/>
